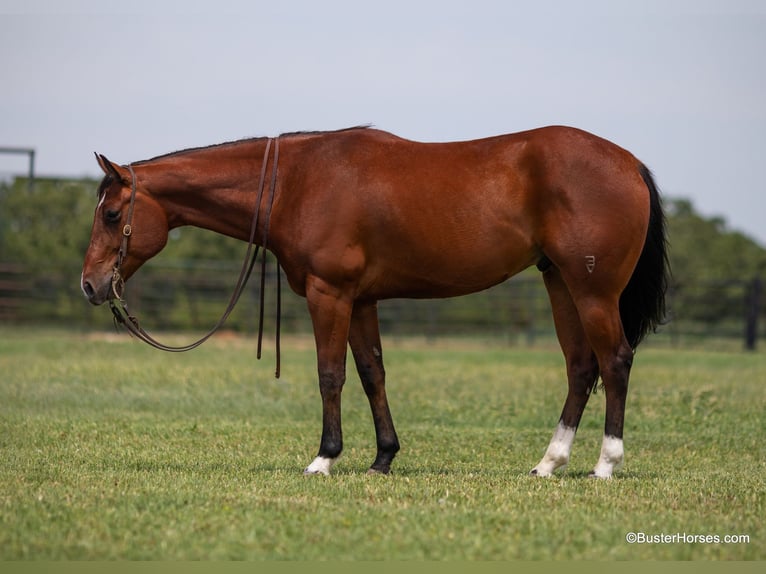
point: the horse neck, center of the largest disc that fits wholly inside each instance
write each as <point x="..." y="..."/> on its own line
<point x="213" y="188"/>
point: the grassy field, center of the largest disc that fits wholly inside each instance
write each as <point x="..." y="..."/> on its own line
<point x="112" y="450"/>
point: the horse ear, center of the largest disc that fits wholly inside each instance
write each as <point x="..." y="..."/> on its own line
<point x="109" y="168"/>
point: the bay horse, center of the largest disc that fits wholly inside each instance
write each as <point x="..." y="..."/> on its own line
<point x="360" y="215"/>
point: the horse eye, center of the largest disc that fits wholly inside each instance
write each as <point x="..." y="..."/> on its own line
<point x="112" y="216"/>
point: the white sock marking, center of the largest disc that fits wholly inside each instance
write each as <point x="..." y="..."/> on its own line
<point x="557" y="455"/>
<point x="320" y="465"/>
<point x="611" y="459"/>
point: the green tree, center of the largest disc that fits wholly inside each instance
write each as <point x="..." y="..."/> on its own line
<point x="703" y="248"/>
<point x="712" y="266"/>
<point x="49" y="223"/>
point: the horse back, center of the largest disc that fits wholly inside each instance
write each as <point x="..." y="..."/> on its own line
<point x="398" y="218"/>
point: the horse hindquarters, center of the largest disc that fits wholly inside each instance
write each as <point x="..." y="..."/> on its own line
<point x="600" y="318"/>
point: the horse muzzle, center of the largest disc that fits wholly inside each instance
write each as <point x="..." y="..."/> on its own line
<point x="97" y="292"/>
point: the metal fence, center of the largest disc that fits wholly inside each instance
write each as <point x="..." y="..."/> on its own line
<point x="177" y="296"/>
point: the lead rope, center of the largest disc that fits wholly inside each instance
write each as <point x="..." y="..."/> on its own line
<point x="263" y="265"/>
<point x="279" y="274"/>
<point x="123" y="317"/>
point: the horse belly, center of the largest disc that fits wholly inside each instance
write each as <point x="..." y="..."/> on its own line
<point x="455" y="269"/>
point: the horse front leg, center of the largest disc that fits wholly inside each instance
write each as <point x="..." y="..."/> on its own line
<point x="364" y="338"/>
<point x="331" y="316"/>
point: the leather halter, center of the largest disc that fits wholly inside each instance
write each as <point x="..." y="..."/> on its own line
<point x="119" y="306"/>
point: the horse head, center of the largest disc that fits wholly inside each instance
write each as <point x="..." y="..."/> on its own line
<point x="127" y="218"/>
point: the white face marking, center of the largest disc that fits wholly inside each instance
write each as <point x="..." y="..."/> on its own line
<point x="611" y="459"/>
<point x="557" y="455"/>
<point x="320" y="465"/>
<point x="101" y="201"/>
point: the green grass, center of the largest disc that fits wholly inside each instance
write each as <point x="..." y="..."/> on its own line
<point x="112" y="450"/>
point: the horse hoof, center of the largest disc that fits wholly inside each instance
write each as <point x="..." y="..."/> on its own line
<point x="592" y="474"/>
<point x="534" y="472"/>
<point x="374" y="471"/>
<point x="540" y="473"/>
<point x="307" y="472"/>
<point x="320" y="465"/>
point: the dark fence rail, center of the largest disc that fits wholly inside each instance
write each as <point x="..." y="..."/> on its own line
<point x="175" y="296"/>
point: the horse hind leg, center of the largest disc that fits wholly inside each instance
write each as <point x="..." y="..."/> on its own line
<point x="364" y="339"/>
<point x="582" y="373"/>
<point x="602" y="323"/>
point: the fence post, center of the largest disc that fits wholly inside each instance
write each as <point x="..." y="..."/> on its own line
<point x="752" y="311"/>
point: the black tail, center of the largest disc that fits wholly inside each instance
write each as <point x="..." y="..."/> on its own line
<point x="642" y="304"/>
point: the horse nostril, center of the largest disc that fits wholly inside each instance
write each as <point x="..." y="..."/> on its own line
<point x="87" y="288"/>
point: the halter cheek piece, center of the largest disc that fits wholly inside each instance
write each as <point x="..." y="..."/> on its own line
<point x="120" y="309"/>
<point x="118" y="283"/>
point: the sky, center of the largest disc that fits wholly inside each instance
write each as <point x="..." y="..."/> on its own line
<point x="680" y="83"/>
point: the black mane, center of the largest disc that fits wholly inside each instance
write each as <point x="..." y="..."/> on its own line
<point x="194" y="149"/>
<point x="321" y="132"/>
<point x="245" y="140"/>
